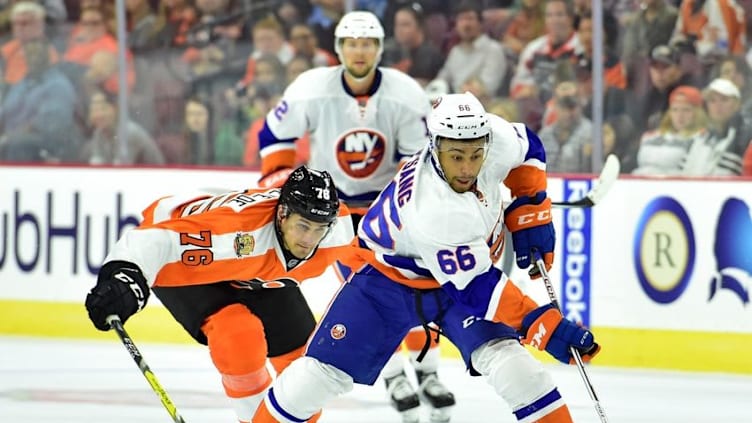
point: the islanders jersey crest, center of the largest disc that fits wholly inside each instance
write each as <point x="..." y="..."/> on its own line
<point x="360" y="152"/>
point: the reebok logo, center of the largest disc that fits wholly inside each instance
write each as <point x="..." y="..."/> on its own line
<point x="538" y="337"/>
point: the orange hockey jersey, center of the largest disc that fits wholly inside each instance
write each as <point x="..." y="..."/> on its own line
<point x="203" y="238"/>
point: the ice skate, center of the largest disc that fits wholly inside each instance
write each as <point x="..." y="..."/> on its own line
<point x="403" y="397"/>
<point x="436" y="395"/>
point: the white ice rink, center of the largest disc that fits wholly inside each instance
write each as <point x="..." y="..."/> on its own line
<point x="56" y="381"/>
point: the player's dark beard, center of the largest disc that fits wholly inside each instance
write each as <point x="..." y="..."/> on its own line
<point x="359" y="75"/>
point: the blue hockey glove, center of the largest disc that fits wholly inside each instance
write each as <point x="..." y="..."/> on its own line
<point x="546" y="329"/>
<point x="529" y="221"/>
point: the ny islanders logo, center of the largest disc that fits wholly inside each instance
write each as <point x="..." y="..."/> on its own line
<point x="733" y="251"/>
<point x="360" y="152"/>
<point x="664" y="250"/>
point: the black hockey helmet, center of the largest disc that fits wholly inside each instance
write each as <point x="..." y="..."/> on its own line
<point x="311" y="194"/>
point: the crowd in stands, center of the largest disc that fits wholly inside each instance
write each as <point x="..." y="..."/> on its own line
<point x="202" y="74"/>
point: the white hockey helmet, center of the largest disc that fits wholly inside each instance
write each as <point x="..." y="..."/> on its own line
<point x="458" y="117"/>
<point x="358" y="24"/>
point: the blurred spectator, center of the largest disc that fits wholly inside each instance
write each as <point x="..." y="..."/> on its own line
<point x="104" y="147"/>
<point x="141" y="26"/>
<point x="711" y="27"/>
<point x="198" y="140"/>
<point x="527" y="24"/>
<point x="663" y="151"/>
<point x="614" y="71"/>
<point x="174" y="19"/>
<point x="497" y="15"/>
<point x="736" y="70"/>
<point x="506" y="108"/>
<point x="666" y="73"/>
<point x="91" y="38"/>
<point x="55" y="15"/>
<point x="566" y="138"/>
<point x="721" y="152"/>
<point x="27" y="21"/>
<point x="37" y="113"/>
<point x="323" y="19"/>
<point x="292" y="12"/>
<point x="304" y="43"/>
<point x="651" y="26"/>
<point x="296" y="66"/>
<point x="476" y="54"/>
<point x="214" y="42"/>
<point x="268" y="39"/>
<point x="409" y="50"/>
<point x="535" y="70"/>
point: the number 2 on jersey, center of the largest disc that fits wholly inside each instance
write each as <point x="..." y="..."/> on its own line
<point x="199" y="256"/>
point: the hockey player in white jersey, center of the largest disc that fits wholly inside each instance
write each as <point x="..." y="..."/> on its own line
<point x="428" y="249"/>
<point x="364" y="121"/>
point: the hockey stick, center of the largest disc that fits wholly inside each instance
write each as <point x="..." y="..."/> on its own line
<point x="116" y="324"/>
<point x="608" y="175"/>
<point x="575" y="353"/>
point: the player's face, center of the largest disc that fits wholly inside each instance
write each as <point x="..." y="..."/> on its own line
<point x="461" y="162"/>
<point x="359" y="55"/>
<point x="301" y="235"/>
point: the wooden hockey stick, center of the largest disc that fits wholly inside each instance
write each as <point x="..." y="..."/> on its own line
<point x="608" y="175"/>
<point x="575" y="353"/>
<point x="116" y="324"/>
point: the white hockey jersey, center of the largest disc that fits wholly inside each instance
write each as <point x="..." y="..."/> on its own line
<point x="359" y="140"/>
<point x="421" y="233"/>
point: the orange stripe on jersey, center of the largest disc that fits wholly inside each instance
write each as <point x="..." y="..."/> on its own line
<point x="278" y="160"/>
<point x="526" y="181"/>
<point x="513" y="306"/>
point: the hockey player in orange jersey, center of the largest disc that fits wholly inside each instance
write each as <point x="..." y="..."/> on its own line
<point x="228" y="267"/>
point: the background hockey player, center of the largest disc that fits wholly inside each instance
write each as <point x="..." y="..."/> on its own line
<point x="363" y="121"/>
<point x="228" y="267"/>
<point x="428" y="247"/>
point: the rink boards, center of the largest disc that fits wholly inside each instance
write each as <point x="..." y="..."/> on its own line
<point x="660" y="269"/>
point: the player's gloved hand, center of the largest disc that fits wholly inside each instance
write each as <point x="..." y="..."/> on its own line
<point x="546" y="329"/>
<point x="121" y="289"/>
<point x="275" y="179"/>
<point x="529" y="221"/>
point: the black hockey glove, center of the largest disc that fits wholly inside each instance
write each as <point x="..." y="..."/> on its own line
<point x="121" y="289"/>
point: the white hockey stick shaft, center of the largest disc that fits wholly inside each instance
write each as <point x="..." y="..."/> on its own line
<point x="575" y="353"/>
<point x="606" y="179"/>
<point x="116" y="324"/>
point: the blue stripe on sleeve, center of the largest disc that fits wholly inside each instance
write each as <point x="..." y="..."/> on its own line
<point x="267" y="138"/>
<point x="477" y="293"/>
<point x="535" y="149"/>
